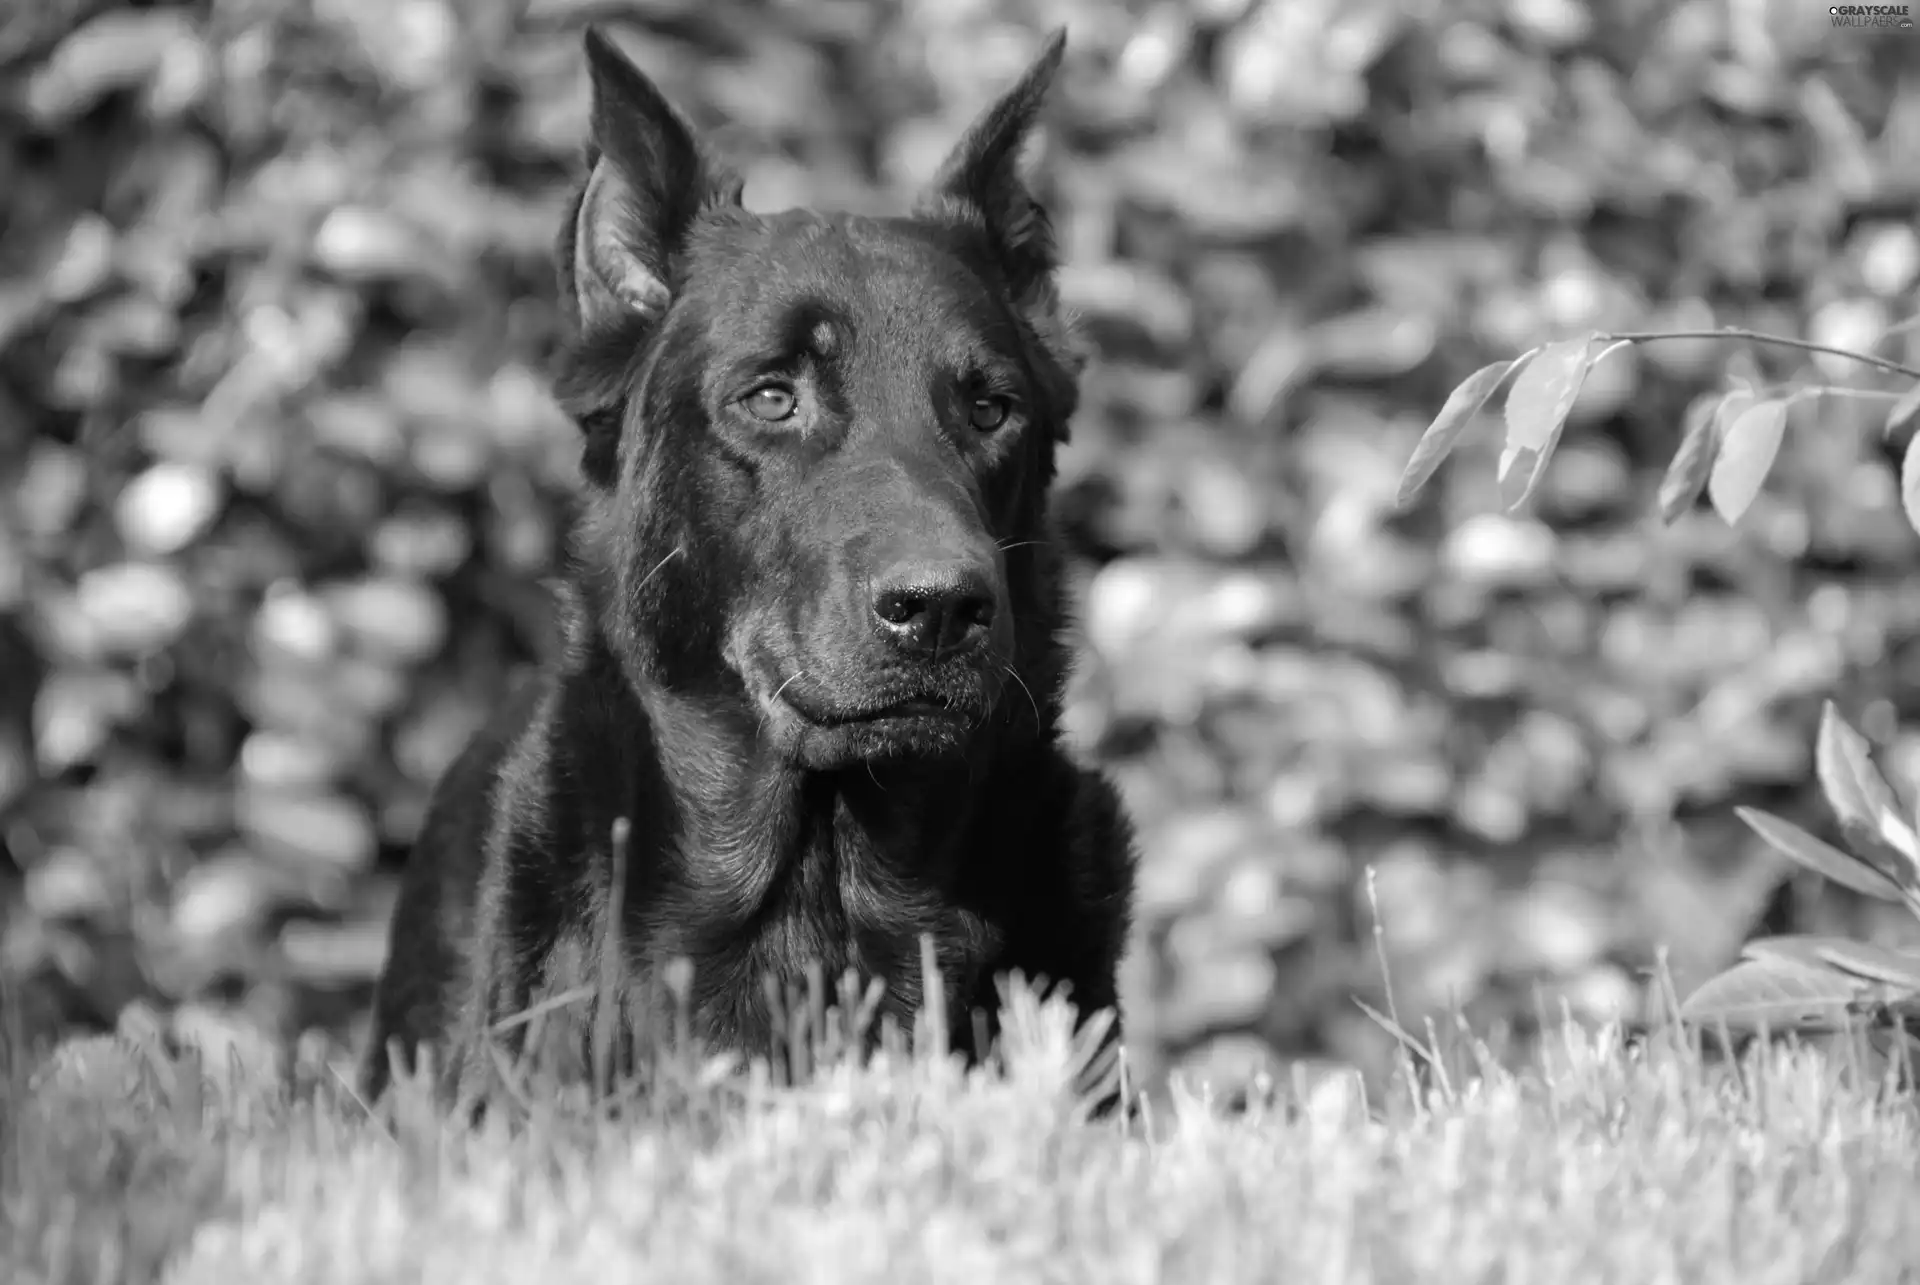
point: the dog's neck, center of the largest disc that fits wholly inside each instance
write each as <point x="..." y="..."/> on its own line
<point x="742" y="792"/>
<point x="743" y="808"/>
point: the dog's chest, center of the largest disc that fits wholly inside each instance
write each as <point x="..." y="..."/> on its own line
<point x="842" y="909"/>
<point x="852" y="906"/>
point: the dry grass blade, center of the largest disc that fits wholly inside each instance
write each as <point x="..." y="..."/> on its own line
<point x="551" y="1004"/>
<point x="1399" y="1033"/>
<point x="612" y="971"/>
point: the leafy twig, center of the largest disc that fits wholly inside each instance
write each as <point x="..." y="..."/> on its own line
<point x="1726" y="451"/>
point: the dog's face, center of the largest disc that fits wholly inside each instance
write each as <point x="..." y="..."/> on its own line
<point x="819" y="445"/>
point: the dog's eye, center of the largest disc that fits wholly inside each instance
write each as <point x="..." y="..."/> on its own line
<point x="989" y="413"/>
<point x="771" y="402"/>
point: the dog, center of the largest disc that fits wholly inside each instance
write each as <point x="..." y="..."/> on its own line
<point x="812" y="663"/>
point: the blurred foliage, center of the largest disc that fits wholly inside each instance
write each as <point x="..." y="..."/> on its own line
<point x="281" y="474"/>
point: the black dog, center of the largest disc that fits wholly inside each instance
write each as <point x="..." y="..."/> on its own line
<point x="811" y="621"/>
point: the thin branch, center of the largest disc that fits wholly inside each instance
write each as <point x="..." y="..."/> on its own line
<point x="1782" y="341"/>
<point x="1814" y="392"/>
<point x="1609" y="350"/>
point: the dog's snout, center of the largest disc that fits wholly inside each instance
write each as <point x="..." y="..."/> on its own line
<point x="934" y="608"/>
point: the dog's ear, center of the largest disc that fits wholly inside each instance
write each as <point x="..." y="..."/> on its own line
<point x="979" y="186"/>
<point x="648" y="181"/>
<point x="980" y="181"/>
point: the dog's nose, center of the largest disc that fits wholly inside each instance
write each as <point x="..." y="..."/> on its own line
<point x="933" y="608"/>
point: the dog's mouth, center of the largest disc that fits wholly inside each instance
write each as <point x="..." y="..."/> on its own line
<point x="934" y="713"/>
<point x="918" y="707"/>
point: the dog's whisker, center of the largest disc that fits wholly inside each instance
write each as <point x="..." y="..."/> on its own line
<point x="672" y="553"/>
<point x="765" y="713"/>
<point x="1014" y="674"/>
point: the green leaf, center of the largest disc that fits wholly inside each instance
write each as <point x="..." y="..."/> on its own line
<point x="1733" y="404"/>
<point x="1541" y="397"/>
<point x="1886" y="965"/>
<point x="1904" y="410"/>
<point x="1897" y="970"/>
<point x="1795" y="948"/>
<point x="1747" y="450"/>
<point x="1844" y="763"/>
<point x="1824" y="859"/>
<point x="1860" y="797"/>
<point x="1521" y="483"/>
<point x="1686" y="476"/>
<point x="1910" y="479"/>
<point x="1462" y="404"/>
<point x="1776" y="994"/>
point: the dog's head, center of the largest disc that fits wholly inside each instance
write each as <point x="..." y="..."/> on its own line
<point x="818" y="446"/>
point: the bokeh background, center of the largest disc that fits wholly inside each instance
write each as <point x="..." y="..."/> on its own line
<point x="278" y="469"/>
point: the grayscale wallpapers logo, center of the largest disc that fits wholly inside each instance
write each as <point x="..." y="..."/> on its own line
<point x="1887" y="16"/>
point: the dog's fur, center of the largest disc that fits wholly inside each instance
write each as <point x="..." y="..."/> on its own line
<point x="811" y="618"/>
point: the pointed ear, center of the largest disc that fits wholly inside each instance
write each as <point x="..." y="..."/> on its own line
<point x="648" y="180"/>
<point x="979" y="183"/>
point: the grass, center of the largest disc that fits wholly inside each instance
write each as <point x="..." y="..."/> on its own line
<point x="1596" y="1162"/>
